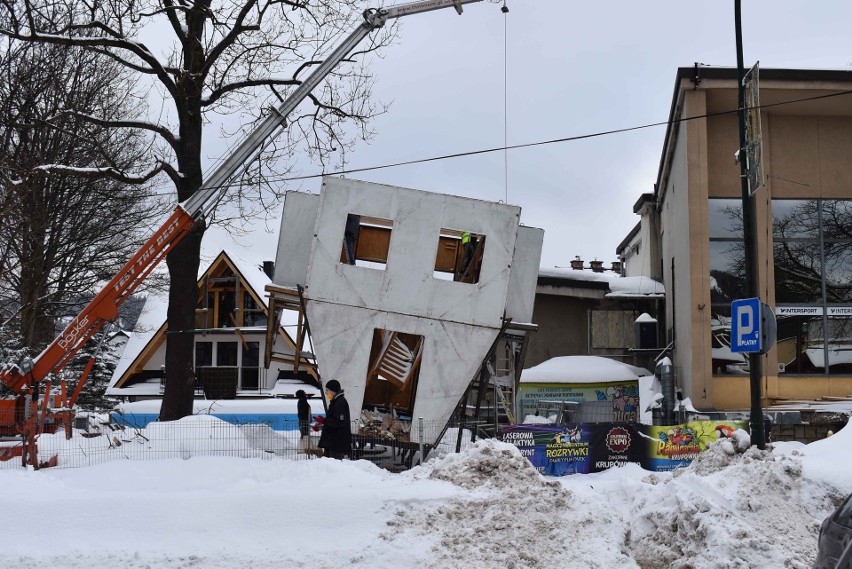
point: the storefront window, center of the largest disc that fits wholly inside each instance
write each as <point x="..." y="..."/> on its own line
<point x="727" y="272"/>
<point x="795" y="219"/>
<point x="812" y="254"/>
<point x="726" y="219"/>
<point x="727" y="280"/>
<point x="798" y="277"/>
<point x="799" y="338"/>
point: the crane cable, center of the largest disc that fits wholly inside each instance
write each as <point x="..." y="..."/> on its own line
<point x="505" y="10"/>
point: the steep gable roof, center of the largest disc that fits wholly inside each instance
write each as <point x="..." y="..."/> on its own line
<point x="150" y="331"/>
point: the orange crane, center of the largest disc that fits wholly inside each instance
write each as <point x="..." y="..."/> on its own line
<point x="31" y="411"/>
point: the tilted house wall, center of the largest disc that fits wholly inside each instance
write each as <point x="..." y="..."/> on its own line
<point x="346" y="304"/>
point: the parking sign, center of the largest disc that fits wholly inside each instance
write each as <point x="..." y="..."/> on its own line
<point x="745" y="326"/>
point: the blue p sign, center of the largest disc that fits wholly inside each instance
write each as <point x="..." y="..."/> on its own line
<point x="745" y="325"/>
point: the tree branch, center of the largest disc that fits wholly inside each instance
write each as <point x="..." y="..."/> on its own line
<point x="237" y="29"/>
<point x="108" y="172"/>
<point x="225" y="89"/>
<point x="141" y="125"/>
<point x="136" y="48"/>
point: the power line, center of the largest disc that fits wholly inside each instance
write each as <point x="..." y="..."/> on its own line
<point x="546" y="142"/>
<point x="506" y="148"/>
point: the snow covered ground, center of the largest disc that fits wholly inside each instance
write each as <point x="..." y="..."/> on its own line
<point x="484" y="508"/>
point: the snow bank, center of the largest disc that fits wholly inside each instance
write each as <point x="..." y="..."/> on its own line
<point x="514" y="517"/>
<point x="728" y="509"/>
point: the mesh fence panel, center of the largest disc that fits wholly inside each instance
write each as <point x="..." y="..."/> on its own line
<point x="207" y="436"/>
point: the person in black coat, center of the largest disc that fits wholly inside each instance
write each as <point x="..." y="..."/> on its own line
<point x="303" y="409"/>
<point x="336" y="437"/>
<point x="350" y="236"/>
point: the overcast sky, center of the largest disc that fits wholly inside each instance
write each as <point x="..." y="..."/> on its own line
<point x="574" y="68"/>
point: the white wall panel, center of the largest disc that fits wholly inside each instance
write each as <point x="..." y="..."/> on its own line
<point x="524" y="276"/>
<point x="295" y="238"/>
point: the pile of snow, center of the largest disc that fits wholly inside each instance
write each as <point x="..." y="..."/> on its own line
<point x="488" y="463"/>
<point x="724" y="453"/>
<point x="513" y="518"/>
<point x="196" y="435"/>
<point x="727" y="509"/>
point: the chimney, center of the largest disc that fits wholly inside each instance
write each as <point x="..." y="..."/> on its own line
<point x="577" y="264"/>
<point x="269" y="268"/>
<point x="616" y="267"/>
<point x="597" y="266"/>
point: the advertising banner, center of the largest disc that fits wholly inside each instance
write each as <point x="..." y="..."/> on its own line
<point x="581" y="448"/>
<point x="623" y="395"/>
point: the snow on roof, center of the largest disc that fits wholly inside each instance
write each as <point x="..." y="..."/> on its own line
<point x="152" y="316"/>
<point x="581" y="369"/>
<point x="619" y="286"/>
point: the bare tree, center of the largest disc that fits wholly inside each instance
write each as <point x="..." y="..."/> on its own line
<point x="218" y="55"/>
<point x="61" y="235"/>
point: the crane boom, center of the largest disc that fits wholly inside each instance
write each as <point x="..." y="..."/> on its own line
<point x="24" y="379"/>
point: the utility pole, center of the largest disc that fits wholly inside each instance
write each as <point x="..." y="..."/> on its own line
<point x="758" y="436"/>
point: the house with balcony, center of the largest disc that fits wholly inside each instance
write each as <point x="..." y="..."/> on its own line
<point x="230" y="340"/>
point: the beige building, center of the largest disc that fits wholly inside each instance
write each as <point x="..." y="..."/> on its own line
<point x="803" y="212"/>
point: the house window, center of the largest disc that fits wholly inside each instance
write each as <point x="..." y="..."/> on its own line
<point x="203" y="354"/>
<point x="366" y="241"/>
<point x="394" y="370"/>
<point x="253" y="315"/>
<point x="226" y="354"/>
<point x="250" y="371"/>
<point x="459" y="256"/>
<point x="225" y="315"/>
<point x="812" y="255"/>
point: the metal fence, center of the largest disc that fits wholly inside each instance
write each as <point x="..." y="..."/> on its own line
<point x="203" y="435"/>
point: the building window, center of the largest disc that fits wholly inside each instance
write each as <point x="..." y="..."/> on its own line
<point x="226" y="354"/>
<point x="391" y="383"/>
<point x="812" y="254"/>
<point x="203" y="354"/>
<point x="366" y="241"/>
<point x="250" y="372"/>
<point x="727" y="280"/>
<point x="253" y="315"/>
<point x="225" y="309"/>
<point x="459" y="256"/>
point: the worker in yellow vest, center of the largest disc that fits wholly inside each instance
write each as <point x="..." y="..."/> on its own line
<point x="468" y="241"/>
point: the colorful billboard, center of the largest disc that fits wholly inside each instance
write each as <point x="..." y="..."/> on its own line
<point x="581" y="448"/>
